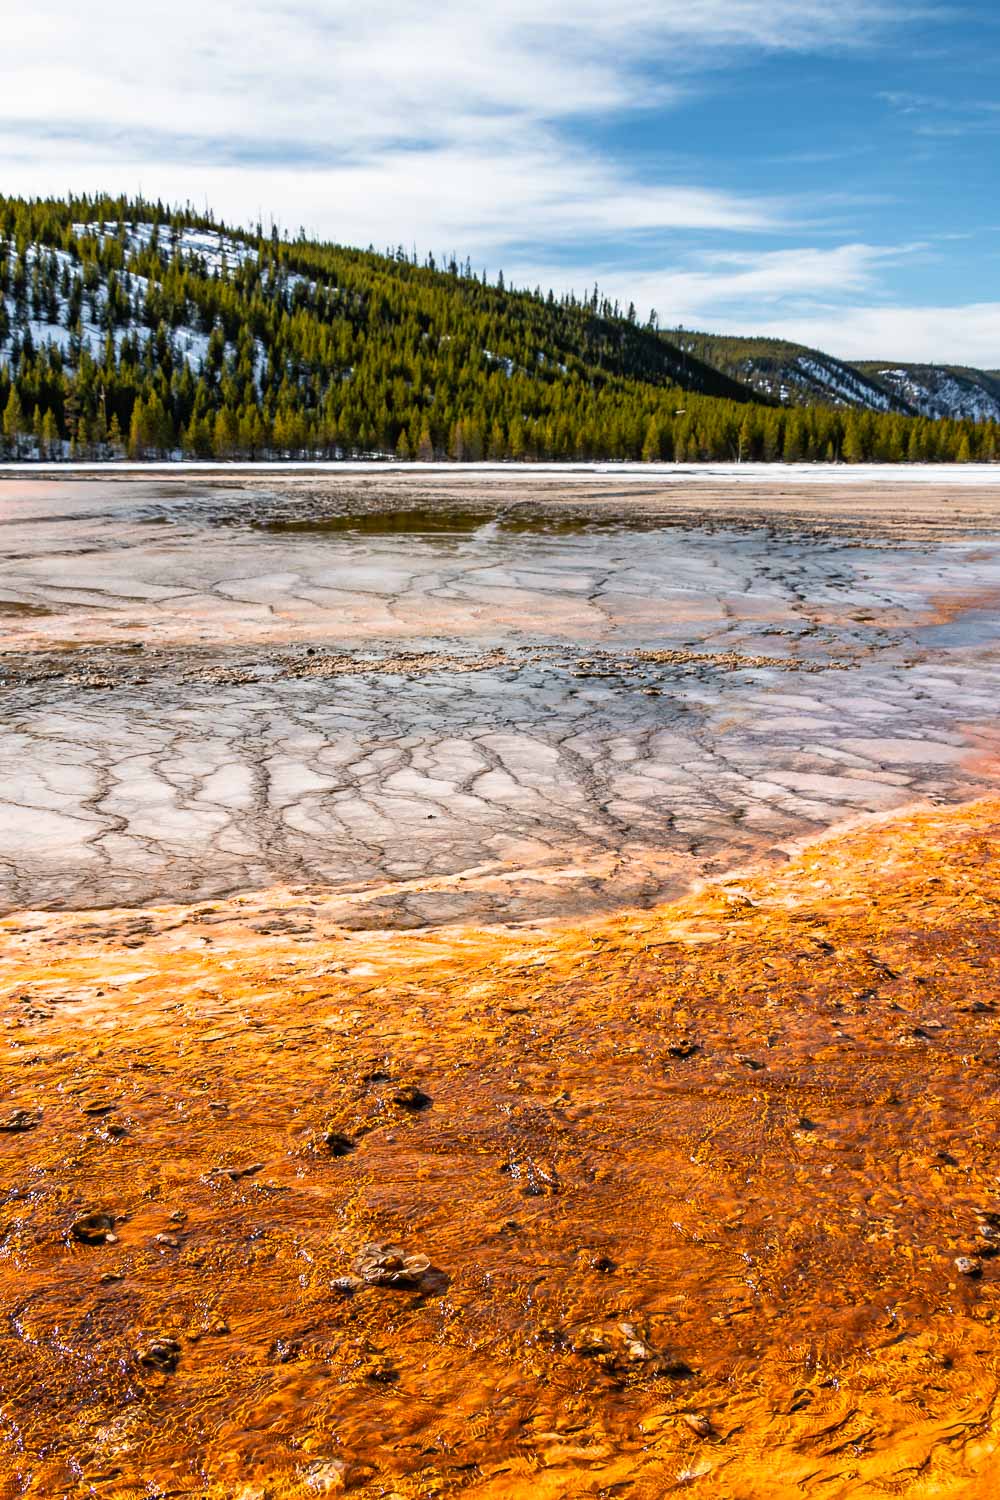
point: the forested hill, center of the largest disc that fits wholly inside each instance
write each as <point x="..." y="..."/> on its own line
<point x="941" y="390"/>
<point x="126" y="328"/>
<point x="796" y="375"/>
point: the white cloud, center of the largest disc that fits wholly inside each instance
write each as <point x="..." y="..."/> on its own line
<point x="459" y="113"/>
<point x="966" y="334"/>
<point x="475" y="201"/>
<point x="346" y="74"/>
<point x="453" y="127"/>
<point x="791" y="294"/>
<point x="728" y="286"/>
<point x="734" y="279"/>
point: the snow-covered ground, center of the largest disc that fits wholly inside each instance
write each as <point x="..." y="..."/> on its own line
<point x="209" y="249"/>
<point x="209" y="245"/>
<point x="953" y="475"/>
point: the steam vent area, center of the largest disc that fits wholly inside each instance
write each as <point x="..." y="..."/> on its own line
<point x="500" y="980"/>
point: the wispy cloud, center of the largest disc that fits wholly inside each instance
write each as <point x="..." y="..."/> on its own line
<point x="937" y="116"/>
<point x="727" y="288"/>
<point x="461" y="112"/>
<point x="968" y="333"/>
<point x="374" y="72"/>
<point x="456" y="127"/>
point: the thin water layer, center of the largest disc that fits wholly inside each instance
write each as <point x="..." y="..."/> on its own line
<point x="455" y="703"/>
<point x="700" y="1199"/>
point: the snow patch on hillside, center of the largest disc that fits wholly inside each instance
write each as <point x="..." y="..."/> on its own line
<point x="936" y="392"/>
<point x="212" y="247"/>
<point x="843" y="384"/>
<point x="206" y="251"/>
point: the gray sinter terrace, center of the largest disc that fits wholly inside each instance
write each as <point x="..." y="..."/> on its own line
<point x="448" y="711"/>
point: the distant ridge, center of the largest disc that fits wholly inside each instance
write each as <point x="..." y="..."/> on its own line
<point x="795" y="374"/>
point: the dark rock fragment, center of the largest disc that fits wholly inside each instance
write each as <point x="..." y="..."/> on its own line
<point x="392" y="1266"/>
<point x="236" y="1174"/>
<point x="683" y="1046"/>
<point x="160" y="1354"/>
<point x="411" y="1097"/>
<point x="622" y="1349"/>
<point x="380" y="1369"/>
<point x="95" y="1228"/>
<point x="338" y="1144"/>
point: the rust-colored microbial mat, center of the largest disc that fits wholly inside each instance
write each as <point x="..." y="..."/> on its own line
<point x="704" y="1198"/>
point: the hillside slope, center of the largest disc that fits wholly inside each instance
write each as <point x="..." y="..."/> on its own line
<point x="941" y="390"/>
<point x="129" y="328"/>
<point x="795" y="375"/>
<point x="308" y="346"/>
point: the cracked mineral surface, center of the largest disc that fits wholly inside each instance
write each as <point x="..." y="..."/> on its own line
<point x="443" y="701"/>
<point x="499" y="989"/>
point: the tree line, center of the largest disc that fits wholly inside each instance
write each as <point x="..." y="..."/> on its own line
<point x="188" y="339"/>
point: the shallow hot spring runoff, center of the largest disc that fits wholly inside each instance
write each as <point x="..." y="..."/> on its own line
<point x="500" y="989"/>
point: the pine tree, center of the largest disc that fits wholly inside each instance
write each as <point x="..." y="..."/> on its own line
<point x="651" y="446"/>
<point x="13" y="423"/>
<point x="320" y="351"/>
<point x="853" y="449"/>
<point x="138" y="434"/>
<point x="50" y="436"/>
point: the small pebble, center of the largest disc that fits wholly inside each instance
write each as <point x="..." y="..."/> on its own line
<point x="235" y="1174"/>
<point x="390" y="1265"/>
<point x="94" y="1229"/>
<point x="162" y="1354"/>
<point x="698" y="1423"/>
<point x="346" y="1286"/>
<point x="682" y="1046"/>
<point x="410" y="1097"/>
<point x="338" y="1144"/>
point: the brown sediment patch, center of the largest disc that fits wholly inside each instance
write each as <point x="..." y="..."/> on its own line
<point x="701" y="1197"/>
<point x="92" y="666"/>
<point x="16" y="609"/>
<point x="983" y="755"/>
<point x="947" y="607"/>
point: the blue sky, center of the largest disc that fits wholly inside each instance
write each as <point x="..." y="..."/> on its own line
<point x="820" y="169"/>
